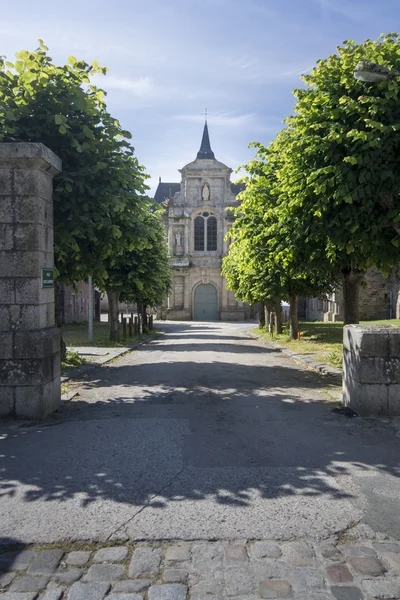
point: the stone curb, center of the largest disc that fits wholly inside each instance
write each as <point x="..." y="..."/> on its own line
<point x="72" y="374"/>
<point x="322" y="368"/>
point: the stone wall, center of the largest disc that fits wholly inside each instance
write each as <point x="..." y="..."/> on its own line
<point x="371" y="369"/>
<point x="30" y="348"/>
<point x="378" y="300"/>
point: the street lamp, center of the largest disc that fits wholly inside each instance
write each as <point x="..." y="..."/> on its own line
<point x="373" y="73"/>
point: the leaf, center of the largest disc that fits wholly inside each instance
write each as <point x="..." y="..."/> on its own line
<point x="59" y="119"/>
<point x="72" y="60"/>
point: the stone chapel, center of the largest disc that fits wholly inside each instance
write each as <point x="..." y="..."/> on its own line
<point x="197" y="221"/>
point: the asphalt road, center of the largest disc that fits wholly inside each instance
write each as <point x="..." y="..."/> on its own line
<point x="202" y="434"/>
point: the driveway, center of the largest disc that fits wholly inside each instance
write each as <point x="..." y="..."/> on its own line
<point x="202" y="434"/>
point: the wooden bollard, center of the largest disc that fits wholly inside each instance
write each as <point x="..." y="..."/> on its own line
<point x="124" y="328"/>
<point x="130" y="326"/>
<point x="135" y="327"/>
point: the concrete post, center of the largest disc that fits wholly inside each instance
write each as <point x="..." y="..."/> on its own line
<point x="371" y="369"/>
<point x="30" y="347"/>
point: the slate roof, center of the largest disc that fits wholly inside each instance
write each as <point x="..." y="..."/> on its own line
<point x="165" y="190"/>
<point x="205" y="151"/>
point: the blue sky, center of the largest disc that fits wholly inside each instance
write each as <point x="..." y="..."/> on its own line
<point x="169" y="59"/>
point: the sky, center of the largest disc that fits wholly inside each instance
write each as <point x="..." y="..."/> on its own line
<point x="168" y="60"/>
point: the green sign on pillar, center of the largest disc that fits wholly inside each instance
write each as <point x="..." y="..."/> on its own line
<point x="48" y="278"/>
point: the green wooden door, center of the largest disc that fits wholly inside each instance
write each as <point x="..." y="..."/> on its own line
<point x="205" y="303"/>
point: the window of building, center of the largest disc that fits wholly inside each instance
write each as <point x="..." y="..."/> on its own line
<point x="199" y="234"/>
<point x="211" y="233"/>
<point x="205" y="232"/>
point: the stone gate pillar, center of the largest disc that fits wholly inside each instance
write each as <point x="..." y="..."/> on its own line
<point x="30" y="343"/>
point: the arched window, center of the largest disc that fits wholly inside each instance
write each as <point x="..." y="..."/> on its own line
<point x="205" y="233"/>
<point x="211" y="233"/>
<point x="199" y="234"/>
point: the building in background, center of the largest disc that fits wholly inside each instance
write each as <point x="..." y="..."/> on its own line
<point x="197" y="221"/>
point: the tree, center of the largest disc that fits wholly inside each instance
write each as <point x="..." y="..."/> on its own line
<point x="340" y="170"/>
<point x="102" y="182"/>
<point x="265" y="261"/>
<point x="141" y="272"/>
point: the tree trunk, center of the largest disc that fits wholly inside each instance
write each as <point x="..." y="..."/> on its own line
<point x="113" y="301"/>
<point x="261" y="315"/>
<point x="294" y="319"/>
<point x="278" y="319"/>
<point x="145" y="318"/>
<point x="351" y="279"/>
<point x="58" y="320"/>
<point x="267" y="311"/>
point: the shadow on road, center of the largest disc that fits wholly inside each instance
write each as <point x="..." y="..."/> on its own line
<point x="195" y="429"/>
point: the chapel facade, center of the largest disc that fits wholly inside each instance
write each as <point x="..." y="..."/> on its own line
<point x="197" y="221"/>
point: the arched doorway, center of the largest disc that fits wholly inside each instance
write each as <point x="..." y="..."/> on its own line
<point x="205" y="303"/>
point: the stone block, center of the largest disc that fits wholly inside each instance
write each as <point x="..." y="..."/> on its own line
<point x="5" y="317"/>
<point x="36" y="344"/>
<point x="29" y="583"/>
<point x="55" y="594"/>
<point x="32" y="183"/>
<point x="339" y="574"/>
<point x="130" y="586"/>
<point x="78" y="558"/>
<point x="115" y="554"/>
<point x="24" y="263"/>
<point x="125" y="597"/>
<point x="6" y="208"/>
<point x="239" y="581"/>
<point x="30" y="372"/>
<point x="364" y="398"/>
<point x="6" y="181"/>
<point x="29" y="290"/>
<point x="359" y="551"/>
<point x="145" y="561"/>
<point x="275" y="589"/>
<point x="346" y="593"/>
<point x="7" y="294"/>
<point x="6" y="346"/>
<point x="36" y="402"/>
<point x="387" y="547"/>
<point x="381" y="588"/>
<point x="235" y="555"/>
<point x="31" y="209"/>
<point x="67" y="576"/>
<point x="17" y="561"/>
<point x="175" y="575"/>
<point x="31" y="236"/>
<point x="367" y="565"/>
<point x="20" y="596"/>
<point x="105" y="573"/>
<point x="6" y="579"/>
<point x="36" y="316"/>
<point x="298" y="554"/>
<point x="178" y="553"/>
<point x="394" y="342"/>
<point x="367" y="340"/>
<point x="172" y="591"/>
<point x="6" y="401"/>
<point x="45" y="562"/>
<point x="265" y="550"/>
<point x="85" y="590"/>
<point x="6" y="236"/>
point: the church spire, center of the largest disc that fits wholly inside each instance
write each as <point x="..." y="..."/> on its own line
<point x="205" y="148"/>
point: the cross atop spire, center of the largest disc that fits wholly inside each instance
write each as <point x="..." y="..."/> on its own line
<point x="205" y="148"/>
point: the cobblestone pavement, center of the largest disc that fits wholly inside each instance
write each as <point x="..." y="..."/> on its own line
<point x="340" y="568"/>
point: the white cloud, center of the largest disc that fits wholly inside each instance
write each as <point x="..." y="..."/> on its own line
<point x="222" y="119"/>
<point x="143" y="87"/>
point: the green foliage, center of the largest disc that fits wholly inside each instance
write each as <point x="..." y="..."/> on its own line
<point x="142" y="272"/>
<point x="97" y="197"/>
<point x="265" y="260"/>
<point x="322" y="201"/>
<point x="340" y="172"/>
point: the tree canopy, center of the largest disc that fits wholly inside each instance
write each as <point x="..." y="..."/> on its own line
<point x="99" y="192"/>
<point x="323" y="199"/>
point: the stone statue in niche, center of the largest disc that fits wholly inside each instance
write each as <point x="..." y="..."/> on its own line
<point x="206" y="192"/>
<point x="178" y="238"/>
